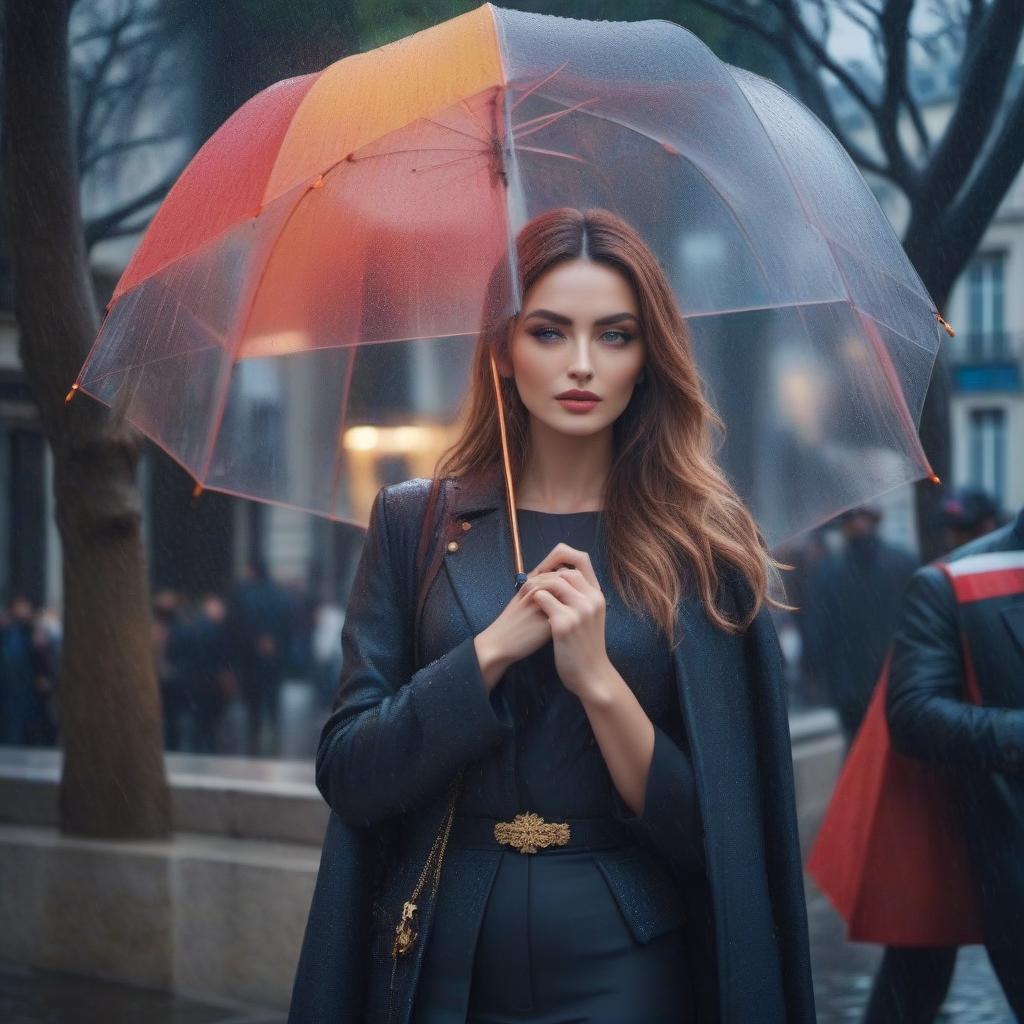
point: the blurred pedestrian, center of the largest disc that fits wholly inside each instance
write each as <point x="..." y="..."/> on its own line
<point x="968" y="513"/>
<point x="805" y="555"/>
<point x="198" y="649"/>
<point x="259" y="625"/>
<point x="27" y="681"/>
<point x="173" y="698"/>
<point x="852" y="606"/>
<point x="980" y="616"/>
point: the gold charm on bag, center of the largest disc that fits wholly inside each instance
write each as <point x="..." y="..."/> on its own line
<point x="405" y="937"/>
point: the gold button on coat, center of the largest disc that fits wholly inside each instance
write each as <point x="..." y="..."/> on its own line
<point x="453" y="545"/>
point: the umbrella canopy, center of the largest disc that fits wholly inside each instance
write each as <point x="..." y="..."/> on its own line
<point x="307" y="298"/>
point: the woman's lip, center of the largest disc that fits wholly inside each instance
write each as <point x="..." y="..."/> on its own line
<point x="578" y="404"/>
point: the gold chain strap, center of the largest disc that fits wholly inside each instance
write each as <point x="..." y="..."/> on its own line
<point x="404" y="934"/>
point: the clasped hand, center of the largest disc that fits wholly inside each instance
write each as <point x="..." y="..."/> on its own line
<point x="571" y="598"/>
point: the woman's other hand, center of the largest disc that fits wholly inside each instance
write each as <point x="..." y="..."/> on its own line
<point x="574" y="605"/>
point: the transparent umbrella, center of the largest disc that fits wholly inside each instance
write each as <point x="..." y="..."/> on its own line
<point x="307" y="299"/>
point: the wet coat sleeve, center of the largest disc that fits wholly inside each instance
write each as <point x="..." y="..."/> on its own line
<point x="670" y="823"/>
<point x="929" y="715"/>
<point x="395" y="737"/>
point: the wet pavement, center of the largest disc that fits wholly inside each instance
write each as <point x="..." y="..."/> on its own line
<point x="843" y="973"/>
<point x="29" y="996"/>
<point x="842" y="977"/>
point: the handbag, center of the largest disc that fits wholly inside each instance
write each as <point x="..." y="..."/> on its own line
<point x="405" y="932"/>
<point x="891" y="853"/>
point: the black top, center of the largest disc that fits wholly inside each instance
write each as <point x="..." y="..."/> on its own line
<point x="557" y="769"/>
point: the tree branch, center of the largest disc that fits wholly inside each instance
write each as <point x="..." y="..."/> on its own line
<point x="794" y="19"/>
<point x="808" y="82"/>
<point x="987" y="67"/>
<point x="894" y="24"/>
<point x="99" y="227"/>
<point x="970" y="216"/>
<point x="95" y="156"/>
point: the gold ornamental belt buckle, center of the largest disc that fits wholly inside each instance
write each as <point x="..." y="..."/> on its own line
<point x="528" y="831"/>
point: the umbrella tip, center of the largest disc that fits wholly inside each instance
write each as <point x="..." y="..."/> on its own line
<point x="934" y="478"/>
<point x="70" y="394"/>
<point x="947" y="325"/>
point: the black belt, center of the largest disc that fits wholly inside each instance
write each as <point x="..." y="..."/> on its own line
<point x="530" y="833"/>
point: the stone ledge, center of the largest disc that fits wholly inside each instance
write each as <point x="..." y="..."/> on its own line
<point x="203" y="916"/>
<point x="249" y="798"/>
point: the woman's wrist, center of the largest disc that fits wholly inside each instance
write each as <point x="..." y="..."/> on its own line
<point x="492" y="664"/>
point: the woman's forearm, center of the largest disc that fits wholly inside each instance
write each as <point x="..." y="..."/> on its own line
<point x="492" y="665"/>
<point x="624" y="734"/>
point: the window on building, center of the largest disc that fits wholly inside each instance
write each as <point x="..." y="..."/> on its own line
<point x="987" y="451"/>
<point x="986" y="330"/>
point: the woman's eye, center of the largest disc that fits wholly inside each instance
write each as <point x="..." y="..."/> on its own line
<point x="622" y="336"/>
<point x="543" y="331"/>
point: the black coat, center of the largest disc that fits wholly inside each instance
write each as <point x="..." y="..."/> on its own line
<point x="388" y="752"/>
<point x="930" y="718"/>
<point x="850" y="612"/>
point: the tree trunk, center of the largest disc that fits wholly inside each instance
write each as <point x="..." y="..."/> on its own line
<point x="113" y="781"/>
<point x="935" y="429"/>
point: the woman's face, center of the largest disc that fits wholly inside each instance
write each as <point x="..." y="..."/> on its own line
<point x="579" y="328"/>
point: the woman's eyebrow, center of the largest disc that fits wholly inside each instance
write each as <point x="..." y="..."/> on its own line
<point x="560" y="319"/>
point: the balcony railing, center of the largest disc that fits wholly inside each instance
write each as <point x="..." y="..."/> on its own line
<point x="988" y="347"/>
<point x="988" y="361"/>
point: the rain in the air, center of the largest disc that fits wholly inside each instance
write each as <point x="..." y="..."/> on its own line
<point x="512" y="514"/>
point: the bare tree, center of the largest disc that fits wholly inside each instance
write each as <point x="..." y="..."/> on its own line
<point x="130" y="103"/>
<point x="113" y="781"/>
<point x="953" y="182"/>
<point x="99" y="98"/>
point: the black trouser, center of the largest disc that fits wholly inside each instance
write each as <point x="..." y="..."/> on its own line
<point x="911" y="984"/>
<point x="553" y="948"/>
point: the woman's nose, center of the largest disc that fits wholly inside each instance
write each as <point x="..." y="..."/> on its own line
<point x="581" y="363"/>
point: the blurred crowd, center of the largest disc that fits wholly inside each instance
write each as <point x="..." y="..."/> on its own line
<point x="215" y="652"/>
<point x="211" y="652"/>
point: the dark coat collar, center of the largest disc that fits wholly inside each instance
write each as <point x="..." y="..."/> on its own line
<point x="480" y="493"/>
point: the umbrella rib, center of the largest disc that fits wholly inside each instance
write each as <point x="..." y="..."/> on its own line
<point x="453" y="181"/>
<point x="547" y="119"/>
<point x="448" y="163"/>
<point x="485" y="132"/>
<point x="415" y="149"/>
<point x="458" y="131"/>
<point x="537" y="85"/>
<point x="552" y="152"/>
<point x="153" y="362"/>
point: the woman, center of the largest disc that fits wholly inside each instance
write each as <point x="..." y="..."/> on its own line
<point x="629" y="693"/>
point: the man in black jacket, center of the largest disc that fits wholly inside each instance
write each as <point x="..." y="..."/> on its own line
<point x="930" y="718"/>
<point x="852" y="607"/>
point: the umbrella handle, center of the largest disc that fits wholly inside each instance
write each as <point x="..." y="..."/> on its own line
<point x="506" y="467"/>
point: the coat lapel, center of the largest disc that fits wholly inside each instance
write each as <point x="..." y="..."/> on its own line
<point x="482" y="568"/>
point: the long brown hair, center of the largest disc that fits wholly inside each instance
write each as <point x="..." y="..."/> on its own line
<point x="670" y="515"/>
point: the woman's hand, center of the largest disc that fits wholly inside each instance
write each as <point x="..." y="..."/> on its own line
<point x="573" y="602"/>
<point x="517" y="632"/>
